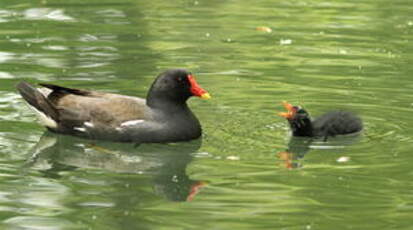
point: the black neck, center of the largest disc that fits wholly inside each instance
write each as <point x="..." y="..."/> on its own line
<point x="302" y="127"/>
<point x="160" y="100"/>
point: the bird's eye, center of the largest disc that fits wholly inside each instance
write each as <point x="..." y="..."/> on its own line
<point x="181" y="80"/>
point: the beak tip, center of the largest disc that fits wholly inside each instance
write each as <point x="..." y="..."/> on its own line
<point x="206" y="96"/>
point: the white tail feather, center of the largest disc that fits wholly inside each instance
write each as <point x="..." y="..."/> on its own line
<point x="43" y="118"/>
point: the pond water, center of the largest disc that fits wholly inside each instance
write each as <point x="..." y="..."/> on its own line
<point x="246" y="172"/>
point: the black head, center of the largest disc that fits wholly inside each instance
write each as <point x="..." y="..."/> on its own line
<point x="174" y="86"/>
<point x="299" y="120"/>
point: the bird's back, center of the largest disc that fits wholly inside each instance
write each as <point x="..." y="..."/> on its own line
<point x="337" y="123"/>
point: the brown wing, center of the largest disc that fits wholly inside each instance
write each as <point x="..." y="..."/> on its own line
<point x="98" y="108"/>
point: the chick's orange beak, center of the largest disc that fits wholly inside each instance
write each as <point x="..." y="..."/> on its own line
<point x="290" y="110"/>
<point x="196" y="90"/>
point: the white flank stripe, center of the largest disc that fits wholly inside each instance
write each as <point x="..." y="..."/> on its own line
<point x="131" y="123"/>
<point x="81" y="129"/>
<point x="43" y="118"/>
<point x="89" y="124"/>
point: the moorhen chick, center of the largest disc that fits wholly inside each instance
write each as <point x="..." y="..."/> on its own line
<point x="327" y="125"/>
<point x="163" y="117"/>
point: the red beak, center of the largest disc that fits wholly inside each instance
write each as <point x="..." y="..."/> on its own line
<point x="196" y="90"/>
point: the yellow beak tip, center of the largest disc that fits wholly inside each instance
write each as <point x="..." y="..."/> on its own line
<point x="206" y="96"/>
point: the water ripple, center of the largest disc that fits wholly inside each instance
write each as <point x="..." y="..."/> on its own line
<point x="46" y="14"/>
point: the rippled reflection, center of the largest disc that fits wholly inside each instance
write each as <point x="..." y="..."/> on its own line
<point x="352" y="55"/>
<point x="166" y="163"/>
<point x="298" y="147"/>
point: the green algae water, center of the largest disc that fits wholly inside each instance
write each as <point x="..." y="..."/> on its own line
<point x="246" y="172"/>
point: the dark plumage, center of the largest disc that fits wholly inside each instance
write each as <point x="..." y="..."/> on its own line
<point x="163" y="117"/>
<point x="327" y="125"/>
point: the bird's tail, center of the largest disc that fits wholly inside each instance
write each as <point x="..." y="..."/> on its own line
<point x="45" y="110"/>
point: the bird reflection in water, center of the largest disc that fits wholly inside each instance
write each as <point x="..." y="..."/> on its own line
<point x="165" y="164"/>
<point x="298" y="147"/>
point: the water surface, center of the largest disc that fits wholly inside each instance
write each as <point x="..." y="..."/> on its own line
<point x="246" y="172"/>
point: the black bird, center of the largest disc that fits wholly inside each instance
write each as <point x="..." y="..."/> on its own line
<point x="327" y="125"/>
<point x="163" y="117"/>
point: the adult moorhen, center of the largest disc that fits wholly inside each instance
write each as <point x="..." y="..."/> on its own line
<point x="327" y="125"/>
<point x="163" y="117"/>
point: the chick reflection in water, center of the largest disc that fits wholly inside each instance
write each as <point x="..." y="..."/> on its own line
<point x="298" y="147"/>
<point x="165" y="164"/>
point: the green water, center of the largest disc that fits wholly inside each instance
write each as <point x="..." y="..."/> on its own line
<point x="245" y="173"/>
